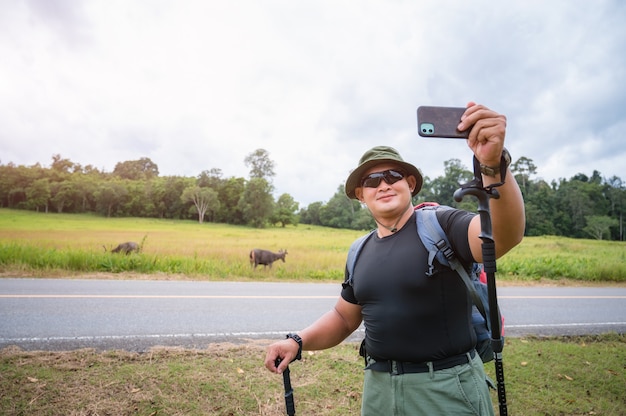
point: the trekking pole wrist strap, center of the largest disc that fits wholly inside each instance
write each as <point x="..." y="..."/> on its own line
<point x="296" y="338"/>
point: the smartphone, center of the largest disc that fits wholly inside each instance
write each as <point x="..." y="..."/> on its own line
<point x="440" y="122"/>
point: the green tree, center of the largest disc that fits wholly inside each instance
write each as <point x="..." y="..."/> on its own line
<point x="85" y="186"/>
<point x="598" y="226"/>
<point x="577" y="198"/>
<point x="260" y="164"/>
<point x="541" y="213"/>
<point x="62" y="167"/>
<point x="615" y="192"/>
<point x="285" y="212"/>
<point x="204" y="200"/>
<point x="138" y="203"/>
<point x="14" y="182"/>
<point x="110" y="196"/>
<point x="63" y="194"/>
<point x="38" y="194"/>
<point x="8" y="182"/>
<point x="341" y="211"/>
<point x="256" y="202"/>
<point x="522" y="168"/>
<point x="444" y="187"/>
<point x="169" y="205"/>
<point x="311" y="214"/>
<point x="363" y="220"/>
<point x="144" y="168"/>
<point x="210" y="179"/>
<point x="426" y="194"/>
<point x="229" y="194"/>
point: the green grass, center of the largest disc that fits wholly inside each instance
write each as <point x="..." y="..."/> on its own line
<point x="551" y="376"/>
<point x="578" y="259"/>
<point x="57" y="244"/>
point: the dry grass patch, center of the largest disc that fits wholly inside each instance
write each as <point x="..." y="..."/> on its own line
<point x="544" y="376"/>
<point x="222" y="380"/>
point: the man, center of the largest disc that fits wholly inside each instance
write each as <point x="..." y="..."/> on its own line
<point x="419" y="340"/>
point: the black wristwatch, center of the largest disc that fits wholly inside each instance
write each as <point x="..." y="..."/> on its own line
<point x="492" y="171"/>
<point x="297" y="338"/>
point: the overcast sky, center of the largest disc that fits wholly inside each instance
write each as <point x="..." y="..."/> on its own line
<point x="196" y="85"/>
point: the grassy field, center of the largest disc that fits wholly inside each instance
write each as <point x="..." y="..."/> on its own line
<point x="59" y="244"/>
<point x="544" y="376"/>
<point x="53" y="243"/>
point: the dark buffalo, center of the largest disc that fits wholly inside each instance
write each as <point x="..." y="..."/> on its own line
<point x="266" y="257"/>
<point x="126" y="248"/>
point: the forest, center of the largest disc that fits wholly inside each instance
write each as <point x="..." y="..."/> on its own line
<point x="579" y="207"/>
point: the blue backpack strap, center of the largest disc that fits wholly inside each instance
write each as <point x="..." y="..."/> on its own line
<point x="432" y="236"/>
<point x="353" y="253"/>
<point x="436" y="242"/>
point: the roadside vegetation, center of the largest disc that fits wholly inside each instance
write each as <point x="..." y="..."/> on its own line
<point x="67" y="245"/>
<point x="553" y="376"/>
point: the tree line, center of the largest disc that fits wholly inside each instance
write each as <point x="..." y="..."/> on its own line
<point x="135" y="189"/>
<point x="580" y="207"/>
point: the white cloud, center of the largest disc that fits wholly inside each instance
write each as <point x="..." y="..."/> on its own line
<point x="195" y="85"/>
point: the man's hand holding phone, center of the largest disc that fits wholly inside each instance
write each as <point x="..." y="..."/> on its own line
<point x="483" y="128"/>
<point x="488" y="130"/>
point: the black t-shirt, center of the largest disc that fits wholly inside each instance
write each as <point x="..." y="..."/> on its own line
<point x="409" y="316"/>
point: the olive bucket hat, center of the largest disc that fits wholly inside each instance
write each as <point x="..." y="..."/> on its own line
<point x="376" y="156"/>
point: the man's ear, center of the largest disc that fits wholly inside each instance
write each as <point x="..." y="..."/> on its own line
<point x="412" y="182"/>
<point x="358" y="192"/>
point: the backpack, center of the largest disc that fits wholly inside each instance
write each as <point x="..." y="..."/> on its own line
<point x="436" y="242"/>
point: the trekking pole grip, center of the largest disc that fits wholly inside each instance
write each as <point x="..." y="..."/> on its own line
<point x="483" y="195"/>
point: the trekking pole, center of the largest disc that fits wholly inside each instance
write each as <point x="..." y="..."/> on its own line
<point x="476" y="189"/>
<point x="289" y="404"/>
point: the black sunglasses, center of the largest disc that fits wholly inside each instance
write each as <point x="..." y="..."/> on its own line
<point x="390" y="176"/>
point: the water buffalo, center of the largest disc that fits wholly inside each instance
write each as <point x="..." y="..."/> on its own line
<point x="126" y="248"/>
<point x="266" y="257"/>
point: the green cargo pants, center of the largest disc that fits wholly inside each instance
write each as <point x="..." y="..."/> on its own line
<point x="459" y="390"/>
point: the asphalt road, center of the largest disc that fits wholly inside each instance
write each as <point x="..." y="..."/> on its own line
<point x="135" y="315"/>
